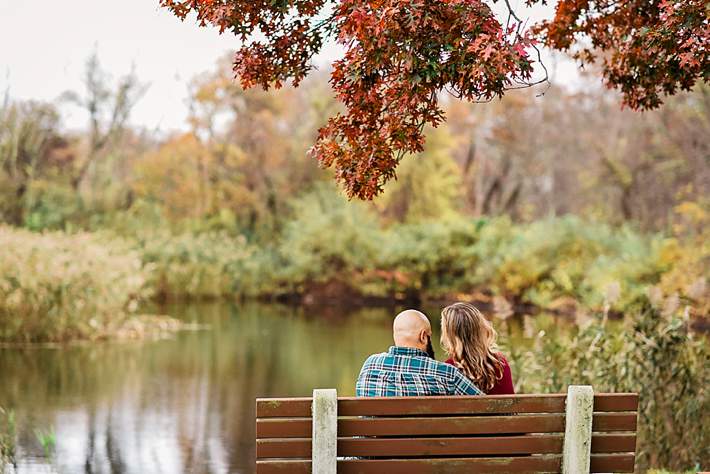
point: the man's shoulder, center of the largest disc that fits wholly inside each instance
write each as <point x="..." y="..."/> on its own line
<point x="375" y="358"/>
<point x="386" y="358"/>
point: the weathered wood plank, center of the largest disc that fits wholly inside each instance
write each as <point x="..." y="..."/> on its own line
<point x="428" y="406"/>
<point x="613" y="443"/>
<point x="606" y="402"/>
<point x="527" y="464"/>
<point x="325" y="428"/>
<point x="614" y="421"/>
<point x="471" y="425"/>
<point x="301" y="428"/>
<point x="399" y="447"/>
<point x="577" y="451"/>
<point x="612" y="463"/>
<point x="393" y="447"/>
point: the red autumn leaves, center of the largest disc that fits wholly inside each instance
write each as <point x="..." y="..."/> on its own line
<point x="401" y="54"/>
<point x="648" y="48"/>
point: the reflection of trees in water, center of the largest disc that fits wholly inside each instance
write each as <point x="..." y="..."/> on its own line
<point x="258" y="362"/>
<point x="183" y="405"/>
<point x="113" y="450"/>
<point x="90" y="444"/>
<point x="94" y="461"/>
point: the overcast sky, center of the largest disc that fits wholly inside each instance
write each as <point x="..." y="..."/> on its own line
<point x="44" y="44"/>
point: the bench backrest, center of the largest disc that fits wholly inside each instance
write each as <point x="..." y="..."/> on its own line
<point x="519" y="433"/>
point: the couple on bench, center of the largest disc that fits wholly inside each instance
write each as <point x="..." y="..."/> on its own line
<point x="409" y="368"/>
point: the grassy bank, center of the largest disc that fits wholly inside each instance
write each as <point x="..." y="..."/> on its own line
<point x="57" y="287"/>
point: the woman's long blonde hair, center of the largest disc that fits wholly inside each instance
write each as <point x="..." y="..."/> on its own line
<point x="469" y="338"/>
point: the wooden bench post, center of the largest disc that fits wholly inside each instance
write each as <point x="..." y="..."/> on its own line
<point x="576" y="453"/>
<point x="325" y="431"/>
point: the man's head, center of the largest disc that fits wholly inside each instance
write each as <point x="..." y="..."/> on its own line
<point x="411" y="328"/>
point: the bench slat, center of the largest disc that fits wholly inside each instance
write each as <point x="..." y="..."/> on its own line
<point x="527" y="464"/>
<point x="394" y="447"/>
<point x="464" y="425"/>
<point x="392" y="406"/>
<point x="301" y="428"/>
<point x="379" y="447"/>
<point x="612" y="463"/>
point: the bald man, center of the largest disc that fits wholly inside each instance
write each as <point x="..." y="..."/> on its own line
<point x="409" y="367"/>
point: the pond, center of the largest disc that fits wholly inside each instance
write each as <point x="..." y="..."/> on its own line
<point x="185" y="404"/>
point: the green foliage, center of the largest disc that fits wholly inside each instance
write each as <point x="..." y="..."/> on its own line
<point x="427" y="258"/>
<point x="48" y="440"/>
<point x="8" y="436"/>
<point x="68" y="285"/>
<point x="207" y="265"/>
<point x="327" y="238"/>
<point x="651" y="353"/>
<point x="28" y="132"/>
<point x="50" y="206"/>
<point x="428" y="185"/>
<point x="564" y="257"/>
<point x="542" y="263"/>
<point x="57" y="286"/>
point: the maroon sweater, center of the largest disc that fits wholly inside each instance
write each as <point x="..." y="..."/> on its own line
<point x="504" y="386"/>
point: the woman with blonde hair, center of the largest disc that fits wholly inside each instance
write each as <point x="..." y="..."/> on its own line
<point x="470" y="341"/>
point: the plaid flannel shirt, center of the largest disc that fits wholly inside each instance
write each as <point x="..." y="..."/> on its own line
<point x="409" y="372"/>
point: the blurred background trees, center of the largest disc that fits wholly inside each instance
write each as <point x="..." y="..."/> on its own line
<point x="244" y="157"/>
<point x="533" y="199"/>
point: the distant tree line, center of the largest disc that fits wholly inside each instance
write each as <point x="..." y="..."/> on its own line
<point x="244" y="158"/>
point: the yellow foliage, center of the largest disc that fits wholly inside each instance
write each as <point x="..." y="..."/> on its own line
<point x="174" y="175"/>
<point x="687" y="256"/>
<point x="693" y="211"/>
<point x="191" y="180"/>
<point x="428" y="185"/>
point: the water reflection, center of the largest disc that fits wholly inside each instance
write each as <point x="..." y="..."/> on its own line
<point x="185" y="404"/>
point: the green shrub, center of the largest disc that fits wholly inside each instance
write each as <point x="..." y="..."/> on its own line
<point x="207" y="265"/>
<point x="327" y="238"/>
<point x="58" y="286"/>
<point x="330" y="240"/>
<point x="429" y="258"/>
<point x="565" y="257"/>
<point x="50" y="206"/>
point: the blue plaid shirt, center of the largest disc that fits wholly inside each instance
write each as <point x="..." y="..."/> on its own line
<point x="409" y="372"/>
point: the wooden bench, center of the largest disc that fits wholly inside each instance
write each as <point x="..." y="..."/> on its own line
<point x="447" y="435"/>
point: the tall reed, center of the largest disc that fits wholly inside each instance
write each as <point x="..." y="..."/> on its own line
<point x="58" y="286"/>
<point x="654" y="353"/>
<point x="8" y="435"/>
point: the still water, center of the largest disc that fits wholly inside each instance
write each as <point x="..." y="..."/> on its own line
<point x="184" y="404"/>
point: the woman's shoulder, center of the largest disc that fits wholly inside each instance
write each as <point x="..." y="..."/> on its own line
<point x="502" y="359"/>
